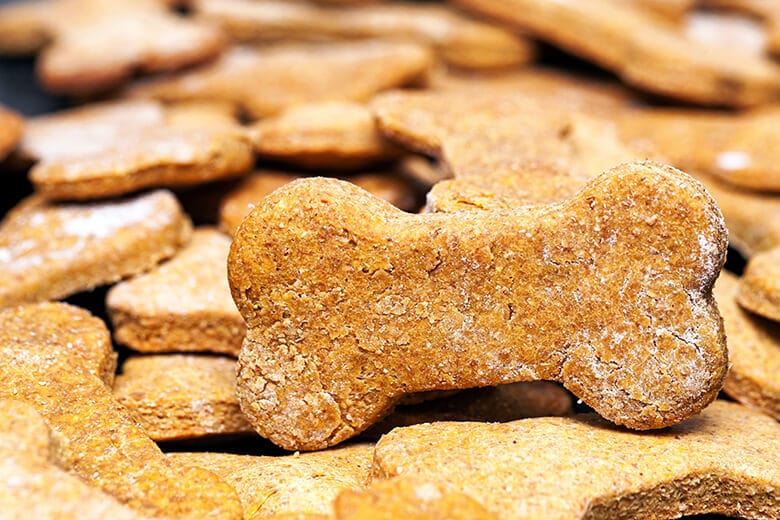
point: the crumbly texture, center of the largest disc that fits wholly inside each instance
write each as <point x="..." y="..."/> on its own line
<point x="91" y="46"/>
<point x="10" y="131"/>
<point x="582" y="467"/>
<point x="267" y="80"/>
<point x="33" y="487"/>
<point x="347" y="300"/>
<point x="759" y="290"/>
<point x="338" y="135"/>
<point x="411" y="499"/>
<point x="183" y="305"/>
<point x="739" y="149"/>
<point x="50" y="251"/>
<point x="55" y="348"/>
<point x="502" y="403"/>
<point x="458" y="40"/>
<point x="391" y="186"/>
<point x="643" y="49"/>
<point x="181" y="396"/>
<point x="754" y="351"/>
<point x="300" y="483"/>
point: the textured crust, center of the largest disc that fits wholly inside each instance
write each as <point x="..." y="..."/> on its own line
<point x="156" y="158"/>
<point x="391" y="186"/>
<point x="96" y="45"/>
<point x="33" y="487"/>
<point x="408" y="498"/>
<point x="759" y="290"/>
<point x="347" y="299"/>
<point x="10" y="131"/>
<point x="183" y="305"/>
<point x="555" y="468"/>
<point x="739" y="149"/>
<point x="180" y="396"/>
<point x="754" y="351"/>
<point x="268" y="80"/>
<point x="642" y="49"/>
<point x="54" y="345"/>
<point x="334" y="135"/>
<point x="51" y="251"/>
<point x="458" y="40"/>
<point x="305" y="483"/>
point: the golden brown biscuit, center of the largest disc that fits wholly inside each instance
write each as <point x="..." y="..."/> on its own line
<point x="754" y="351"/>
<point x="458" y="40"/>
<point x="338" y="135"/>
<point x="297" y="483"/>
<point x="240" y="201"/>
<point x="673" y="10"/>
<point x="643" y="49"/>
<point x="10" y="131"/>
<point x="265" y="81"/>
<point x="96" y="45"/>
<point x="50" y="352"/>
<point x="33" y="487"/>
<point x="50" y="251"/>
<point x="347" y="300"/>
<point x="722" y="461"/>
<point x="181" y="396"/>
<point x="505" y="143"/>
<point x="738" y="149"/>
<point x="489" y="404"/>
<point x="403" y="498"/>
<point x="759" y="290"/>
<point x="183" y="305"/>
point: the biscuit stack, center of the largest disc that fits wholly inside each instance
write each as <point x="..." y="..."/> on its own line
<point x="345" y="259"/>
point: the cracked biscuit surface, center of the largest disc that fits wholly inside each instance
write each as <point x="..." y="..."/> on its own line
<point x="347" y="300"/>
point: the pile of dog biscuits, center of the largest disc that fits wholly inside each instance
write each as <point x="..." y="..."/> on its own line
<point x="344" y="259"/>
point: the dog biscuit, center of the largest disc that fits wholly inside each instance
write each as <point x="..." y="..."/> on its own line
<point x="239" y="202"/>
<point x="759" y="290"/>
<point x="182" y="305"/>
<point x="458" y="40"/>
<point x="10" y="131"/>
<point x="181" y="396"/>
<point x="265" y="81"/>
<point x="754" y="351"/>
<point x="737" y="149"/>
<point x="397" y="498"/>
<point x="502" y="403"/>
<point x="293" y="484"/>
<point x="767" y="11"/>
<point x="32" y="486"/>
<point x="503" y="144"/>
<point x="643" y="49"/>
<point x="337" y="135"/>
<point x="729" y="30"/>
<point x="91" y="46"/>
<point x="51" y="353"/>
<point x="346" y="300"/>
<point x="189" y="147"/>
<point x="582" y="467"/>
<point x="50" y="251"/>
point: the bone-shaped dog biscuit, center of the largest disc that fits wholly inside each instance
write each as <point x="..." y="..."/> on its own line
<point x="350" y="303"/>
<point x="722" y="461"/>
<point x="31" y="486"/>
<point x="51" y="354"/>
<point x="759" y="290"/>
